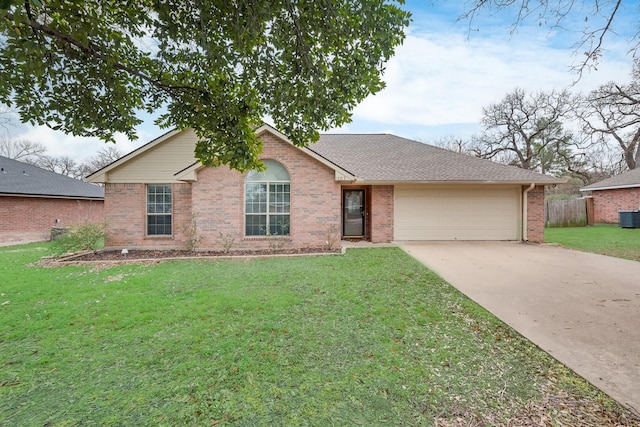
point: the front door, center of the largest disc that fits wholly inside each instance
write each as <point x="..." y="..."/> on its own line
<point x="353" y="213"/>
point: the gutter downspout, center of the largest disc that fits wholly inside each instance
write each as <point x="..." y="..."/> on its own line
<point x="525" y="216"/>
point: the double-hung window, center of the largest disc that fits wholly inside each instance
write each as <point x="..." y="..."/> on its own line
<point x="267" y="201"/>
<point x="159" y="208"/>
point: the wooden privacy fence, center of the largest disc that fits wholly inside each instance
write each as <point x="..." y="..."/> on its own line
<point x="569" y="213"/>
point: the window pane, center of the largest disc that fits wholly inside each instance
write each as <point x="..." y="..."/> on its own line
<point x="275" y="172"/>
<point x="159" y="225"/>
<point x="256" y="225"/>
<point x="279" y="198"/>
<point x="279" y="225"/>
<point x="255" y="198"/>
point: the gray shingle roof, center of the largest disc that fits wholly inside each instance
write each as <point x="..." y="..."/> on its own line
<point x="624" y="180"/>
<point x="22" y="179"/>
<point x="390" y="158"/>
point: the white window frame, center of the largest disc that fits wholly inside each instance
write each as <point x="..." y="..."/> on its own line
<point x="157" y="209"/>
<point x="273" y="207"/>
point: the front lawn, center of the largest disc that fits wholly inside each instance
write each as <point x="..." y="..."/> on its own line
<point x="602" y="239"/>
<point x="368" y="338"/>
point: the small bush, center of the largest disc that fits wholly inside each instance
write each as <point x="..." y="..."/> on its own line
<point x="333" y="236"/>
<point x="85" y="237"/>
<point x="226" y="240"/>
<point x="276" y="242"/>
<point x="193" y="238"/>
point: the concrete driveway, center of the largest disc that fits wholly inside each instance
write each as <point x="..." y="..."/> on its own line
<point x="582" y="308"/>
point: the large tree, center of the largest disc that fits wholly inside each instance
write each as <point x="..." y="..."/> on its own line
<point x="105" y="156"/>
<point x="218" y="67"/>
<point x="527" y="130"/>
<point x="611" y="115"/>
<point x="63" y="165"/>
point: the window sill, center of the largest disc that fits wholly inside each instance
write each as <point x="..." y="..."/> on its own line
<point x="168" y="237"/>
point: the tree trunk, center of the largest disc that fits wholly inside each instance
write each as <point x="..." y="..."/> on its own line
<point x="632" y="152"/>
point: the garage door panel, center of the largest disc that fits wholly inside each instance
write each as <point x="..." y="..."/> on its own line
<point x="445" y="213"/>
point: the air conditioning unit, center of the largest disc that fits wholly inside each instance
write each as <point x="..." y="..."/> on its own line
<point x="629" y="219"/>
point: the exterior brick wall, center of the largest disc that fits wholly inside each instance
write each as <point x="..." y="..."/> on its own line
<point x="607" y="203"/>
<point x="125" y="207"/>
<point x="216" y="203"/>
<point x="126" y="215"/>
<point x="29" y="219"/>
<point x="535" y="215"/>
<point x="381" y="215"/>
<point x="182" y="218"/>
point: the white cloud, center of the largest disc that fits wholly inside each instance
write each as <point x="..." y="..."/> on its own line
<point x="79" y="148"/>
<point x="444" y="79"/>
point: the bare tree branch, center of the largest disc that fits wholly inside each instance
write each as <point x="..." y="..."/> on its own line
<point x="554" y="15"/>
<point x="21" y="149"/>
<point x="612" y="112"/>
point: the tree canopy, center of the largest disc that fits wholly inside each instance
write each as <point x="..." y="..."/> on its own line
<point x="218" y="67"/>
<point x="526" y="130"/>
<point x="611" y="114"/>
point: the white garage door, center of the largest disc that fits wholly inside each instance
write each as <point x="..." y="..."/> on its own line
<point x="456" y="213"/>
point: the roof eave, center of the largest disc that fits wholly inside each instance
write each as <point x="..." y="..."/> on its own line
<point x="50" y="196"/>
<point x="190" y="173"/>
<point x="611" y="187"/>
<point x="457" y="182"/>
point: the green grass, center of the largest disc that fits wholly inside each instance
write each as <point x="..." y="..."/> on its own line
<point x="368" y="338"/>
<point x="601" y="239"/>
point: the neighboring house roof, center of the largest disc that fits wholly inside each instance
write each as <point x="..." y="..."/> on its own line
<point x="627" y="179"/>
<point x="389" y="158"/>
<point x="21" y="179"/>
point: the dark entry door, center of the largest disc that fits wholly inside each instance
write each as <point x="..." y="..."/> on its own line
<point x="353" y="213"/>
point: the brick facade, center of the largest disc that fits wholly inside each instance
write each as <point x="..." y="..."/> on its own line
<point x="126" y="214"/>
<point x="535" y="215"/>
<point x="215" y="201"/>
<point x="607" y="203"/>
<point x="124" y="206"/>
<point x="29" y="219"/>
<point x="381" y="214"/>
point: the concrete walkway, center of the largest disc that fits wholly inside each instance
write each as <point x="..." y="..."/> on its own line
<point x="582" y="308"/>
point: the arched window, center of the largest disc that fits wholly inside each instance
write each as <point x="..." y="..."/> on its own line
<point x="267" y="201"/>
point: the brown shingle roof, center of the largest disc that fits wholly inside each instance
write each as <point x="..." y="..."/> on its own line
<point x="624" y="180"/>
<point x="390" y="158"/>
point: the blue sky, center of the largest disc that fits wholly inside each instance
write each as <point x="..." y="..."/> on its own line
<point x="444" y="73"/>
